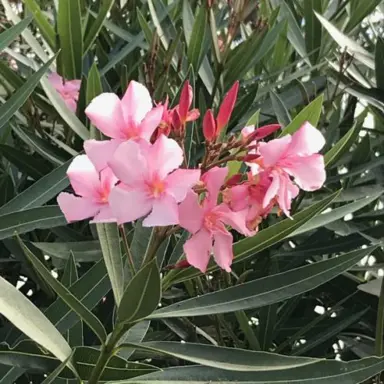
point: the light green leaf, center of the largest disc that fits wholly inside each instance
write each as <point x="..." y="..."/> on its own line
<point x="233" y="359"/>
<point x="336" y="214"/>
<point x="110" y="245"/>
<point x="75" y="304"/>
<point x="10" y="34"/>
<point x="30" y="219"/>
<point x="254" y="119"/>
<point x="264" y="291"/>
<point x="17" y="100"/>
<point x="92" y="33"/>
<point x="70" y="38"/>
<point x="142" y="294"/>
<point x="40" y="192"/>
<point x="43" y="24"/>
<point x="28" y="318"/>
<point x="310" y="113"/>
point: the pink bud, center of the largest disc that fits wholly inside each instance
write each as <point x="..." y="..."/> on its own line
<point x="176" y="123"/>
<point x="185" y="101"/>
<point x="266" y="130"/>
<point x="226" y="107"/>
<point x="234" y="180"/>
<point x="251" y="157"/>
<point x="209" y="126"/>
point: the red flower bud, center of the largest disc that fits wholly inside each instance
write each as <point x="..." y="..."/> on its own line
<point x="226" y="107"/>
<point x="234" y="180"/>
<point x="209" y="126"/>
<point x="185" y="101"/>
<point x="266" y="130"/>
<point x="251" y="157"/>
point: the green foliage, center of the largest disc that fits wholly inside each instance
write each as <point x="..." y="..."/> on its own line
<point x="86" y="292"/>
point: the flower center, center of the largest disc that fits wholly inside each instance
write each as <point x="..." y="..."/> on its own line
<point x="156" y="187"/>
<point x="211" y="221"/>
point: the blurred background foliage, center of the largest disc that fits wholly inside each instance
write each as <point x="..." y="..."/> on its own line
<point x="296" y="60"/>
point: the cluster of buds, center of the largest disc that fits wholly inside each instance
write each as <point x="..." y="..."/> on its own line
<point x="138" y="172"/>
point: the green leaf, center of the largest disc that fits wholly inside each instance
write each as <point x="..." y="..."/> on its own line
<point x="142" y="294"/>
<point x="281" y="111"/>
<point x="142" y="238"/>
<point x="233" y="359"/>
<point x="43" y="24"/>
<point x="30" y="219"/>
<point x="321" y="372"/>
<point x="110" y="245"/>
<point x="336" y="214"/>
<point x="344" y="42"/>
<point x="254" y="119"/>
<point x="310" y="113"/>
<point x="40" y="192"/>
<point x="196" y="41"/>
<point x="83" y="252"/>
<point x="264" y="291"/>
<point x="92" y="32"/>
<point x="312" y="29"/>
<point x="28" y="318"/>
<point x="94" y="88"/>
<point x="379" y="63"/>
<point x="263" y="239"/>
<point x="75" y="304"/>
<point x="70" y="38"/>
<point x="10" y="34"/>
<point x="16" y="101"/>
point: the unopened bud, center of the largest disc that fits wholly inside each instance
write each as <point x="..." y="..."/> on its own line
<point x="209" y="126"/>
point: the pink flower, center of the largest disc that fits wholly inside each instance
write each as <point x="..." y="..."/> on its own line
<point x="185" y="103"/>
<point x="68" y="89"/>
<point x="132" y="117"/>
<point x="207" y="221"/>
<point x="294" y="156"/>
<point x="92" y="189"/>
<point x="250" y="195"/>
<point x="151" y="182"/>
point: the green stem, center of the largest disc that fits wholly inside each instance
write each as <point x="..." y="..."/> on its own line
<point x="380" y="323"/>
<point x="107" y="351"/>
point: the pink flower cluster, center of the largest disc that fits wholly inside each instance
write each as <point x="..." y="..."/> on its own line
<point x="140" y="172"/>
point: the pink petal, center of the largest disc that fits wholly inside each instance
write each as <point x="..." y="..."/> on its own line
<point x="107" y="180"/>
<point x="191" y="213"/>
<point x="246" y="131"/>
<point x="164" y="212"/>
<point x="71" y="104"/>
<point x="308" y="171"/>
<point x="222" y="250"/>
<point x="238" y="197"/>
<point x="83" y="177"/>
<point x="213" y="180"/>
<point x="101" y="151"/>
<point x="272" y="151"/>
<point x="193" y="114"/>
<point x="77" y="208"/>
<point x="307" y="140"/>
<point x="56" y="81"/>
<point x="181" y="181"/>
<point x="72" y="86"/>
<point x="237" y="220"/>
<point x="104" y="216"/>
<point x="273" y="189"/>
<point x="151" y="121"/>
<point x="105" y="112"/>
<point x="136" y="102"/>
<point x="164" y="156"/>
<point x="287" y="192"/>
<point x="129" y="164"/>
<point x="129" y="205"/>
<point x="198" y="249"/>
<point x="226" y="107"/>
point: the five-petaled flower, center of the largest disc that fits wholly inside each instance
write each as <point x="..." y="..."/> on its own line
<point x="68" y="89"/>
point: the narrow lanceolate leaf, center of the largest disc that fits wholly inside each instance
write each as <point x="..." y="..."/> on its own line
<point x="336" y="214"/>
<point x="94" y="88"/>
<point x="45" y="28"/>
<point x="263" y="239"/>
<point x="110" y="246"/>
<point x="28" y="318"/>
<point x="70" y="38"/>
<point x="8" y="109"/>
<point x="312" y="29"/>
<point x="55" y="373"/>
<point x="234" y="359"/>
<point x="142" y="294"/>
<point x="10" y="34"/>
<point x="30" y="219"/>
<point x="265" y="291"/>
<point x="97" y="24"/>
<point x="280" y="109"/>
<point x="40" y="192"/>
<point x="379" y="63"/>
<point x="310" y="113"/>
<point x="321" y="372"/>
<point x="75" y="304"/>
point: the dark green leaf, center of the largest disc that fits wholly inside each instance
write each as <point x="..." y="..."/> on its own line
<point x="312" y="29"/>
<point x="379" y="63"/>
<point x="281" y="111"/>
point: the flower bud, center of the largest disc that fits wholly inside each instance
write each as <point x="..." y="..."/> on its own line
<point x="185" y="101"/>
<point x="226" y="107"/>
<point x="209" y="126"/>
